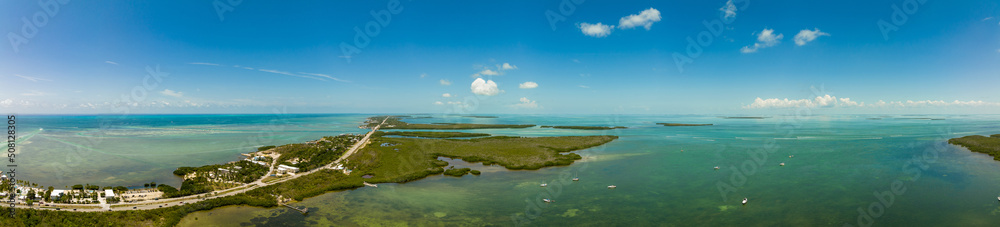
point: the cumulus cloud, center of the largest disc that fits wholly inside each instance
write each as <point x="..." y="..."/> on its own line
<point x="173" y="93"/>
<point x="765" y="39"/>
<point x="446" y="95"/>
<point x="644" y="19"/>
<point x="596" y="30"/>
<point x="485" y="87"/>
<point x="506" y="66"/>
<point x="827" y="101"/>
<point x="729" y="10"/>
<point x="806" y="36"/>
<point x="438" y="103"/>
<point x="527" y="85"/>
<point x="445" y="82"/>
<point x="526" y="103"/>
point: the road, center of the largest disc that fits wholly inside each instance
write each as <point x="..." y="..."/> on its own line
<point x="154" y="204"/>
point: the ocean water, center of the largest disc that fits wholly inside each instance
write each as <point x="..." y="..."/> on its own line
<point x="839" y="169"/>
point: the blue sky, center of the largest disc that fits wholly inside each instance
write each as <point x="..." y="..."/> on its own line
<point x="92" y="57"/>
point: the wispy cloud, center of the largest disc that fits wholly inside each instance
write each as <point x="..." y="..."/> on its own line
<point x="36" y="93"/>
<point x="32" y="79"/>
<point x="111" y="62"/>
<point x="527" y="85"/>
<point x="326" y="76"/>
<point x="172" y="93"/>
<point x="583" y="86"/>
<point x="289" y="74"/>
<point x="203" y="63"/>
<point x="422" y="75"/>
<point x="729" y="10"/>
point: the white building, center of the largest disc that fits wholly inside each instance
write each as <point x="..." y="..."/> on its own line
<point x="108" y="193"/>
<point x="57" y="193"/>
<point x="287" y="169"/>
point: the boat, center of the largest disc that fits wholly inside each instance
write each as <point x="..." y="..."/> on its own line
<point x="548" y="200"/>
<point x="544" y="184"/>
<point x="716" y="168"/>
<point x="576" y="179"/>
<point x="370" y="184"/>
<point x="782" y="164"/>
<point x="998" y="197"/>
<point x="745" y="200"/>
<point x="612" y="186"/>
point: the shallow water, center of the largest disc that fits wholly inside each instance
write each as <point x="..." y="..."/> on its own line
<point x="664" y="175"/>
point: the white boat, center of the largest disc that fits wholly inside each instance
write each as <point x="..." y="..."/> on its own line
<point x="576" y="179"/>
<point x="548" y="200"/>
<point x="544" y="184"/>
<point x="716" y="168"/>
<point x="782" y="164"/>
<point x="612" y="186"/>
<point x="745" y="200"/>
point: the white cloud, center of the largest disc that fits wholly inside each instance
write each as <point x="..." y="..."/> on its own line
<point x="765" y="39"/>
<point x="454" y="102"/>
<point x="584" y="86"/>
<point x="527" y="85"/>
<point x="111" y="62"/>
<point x="6" y="102"/>
<point x="446" y="95"/>
<point x="806" y="36"/>
<point x="32" y="79"/>
<point x="35" y="93"/>
<point x="987" y="18"/>
<point x="422" y="75"/>
<point x="827" y="101"/>
<point x="596" y="30"/>
<point x="438" y="103"/>
<point x="506" y="66"/>
<point x="445" y="82"/>
<point x="489" y="72"/>
<point x="645" y="19"/>
<point x="203" y="63"/>
<point x="526" y="103"/>
<point x="289" y="74"/>
<point x="485" y="87"/>
<point x="729" y="9"/>
<point x="169" y="92"/>
<point x="576" y="60"/>
<point x="326" y="76"/>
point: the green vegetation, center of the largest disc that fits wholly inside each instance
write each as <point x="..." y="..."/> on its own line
<point x="681" y="124"/>
<point x="410" y="159"/>
<point x="425" y="134"/>
<point x="264" y="148"/>
<point x="457" y="172"/>
<point x="309" y="186"/>
<point x="395" y="123"/>
<point x="475" y="172"/>
<point x="585" y="127"/>
<point x="976" y="143"/>
<point x="309" y="156"/>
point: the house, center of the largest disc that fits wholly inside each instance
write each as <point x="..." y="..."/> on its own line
<point x="108" y="193"/>
<point x="287" y="169"/>
<point x="56" y="193"/>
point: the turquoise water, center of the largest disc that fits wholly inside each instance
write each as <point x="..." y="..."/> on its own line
<point x="665" y="175"/>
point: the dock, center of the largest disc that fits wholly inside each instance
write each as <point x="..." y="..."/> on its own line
<point x="370" y="184"/>
<point x="303" y="210"/>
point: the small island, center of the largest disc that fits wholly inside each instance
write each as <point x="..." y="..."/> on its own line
<point x="585" y="127"/>
<point x="392" y="122"/>
<point x="425" y="134"/>
<point x="982" y="144"/>
<point x="682" y="124"/>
